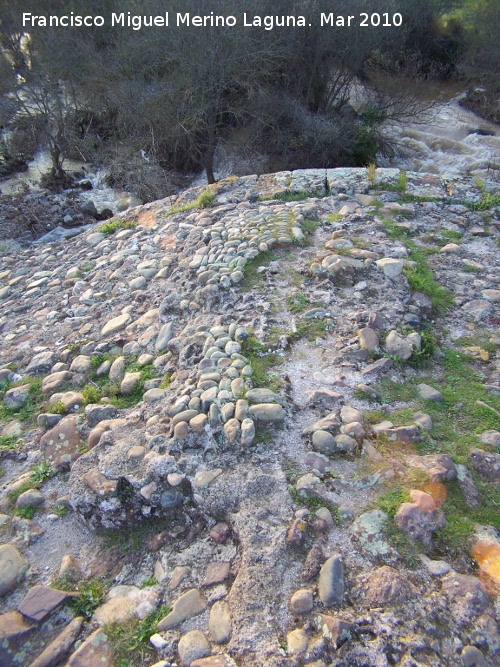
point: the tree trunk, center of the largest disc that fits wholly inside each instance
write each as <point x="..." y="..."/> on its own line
<point x="209" y="168"/>
<point x="57" y="161"/>
<point x="211" y="146"/>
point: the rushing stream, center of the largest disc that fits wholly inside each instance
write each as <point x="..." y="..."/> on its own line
<point x="455" y="142"/>
<point x="102" y="195"/>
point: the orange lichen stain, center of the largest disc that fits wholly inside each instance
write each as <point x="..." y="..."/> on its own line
<point x="487" y="556"/>
<point x="477" y="353"/>
<point x="437" y="490"/>
<point x="147" y="218"/>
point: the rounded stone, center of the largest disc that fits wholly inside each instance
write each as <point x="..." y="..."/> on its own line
<point x="247" y="432"/>
<point x="116" y="324"/>
<point x="80" y="364"/>
<point x="391" y="267"/>
<point x="181" y="430"/>
<point x="130" y="382"/>
<point x="302" y="601"/>
<point x="198" y="423"/>
<point x="219" y="623"/>
<point x="13" y="428"/>
<point x="368" y="339"/>
<point x="268" y="412"/>
<point x="70" y="568"/>
<point x="345" y="443"/>
<point x="297" y="641"/>
<point x="117" y="370"/>
<point x="175" y="478"/>
<point x="138" y="283"/>
<point x="170" y="499"/>
<point x="12" y="568"/>
<point x="153" y="395"/>
<point x="323" y="442"/>
<point x="354" y="430"/>
<point x="193" y="646"/>
<point x="16" y="396"/>
<point x="136" y="452"/>
<point x="472" y="657"/>
<point x="331" y="581"/>
<point x="232" y="429"/>
<point x="348" y="414"/>
<point x="428" y="393"/>
<point x="231" y="347"/>
<point x="241" y="409"/>
<point x="184" y="416"/>
<point x="31" y="497"/>
<point x="398" y="346"/>
<point x="241" y="333"/>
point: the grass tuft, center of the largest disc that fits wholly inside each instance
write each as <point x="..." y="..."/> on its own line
<point x="111" y="226"/>
<point x="262" y="362"/>
<point x="390" y="501"/>
<point x="130" y="640"/>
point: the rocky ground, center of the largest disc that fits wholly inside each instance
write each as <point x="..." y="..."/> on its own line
<point x="51" y="217"/>
<point x="259" y="425"/>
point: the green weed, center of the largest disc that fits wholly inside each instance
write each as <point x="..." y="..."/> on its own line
<point x="461" y="518"/>
<point x="310" y="226"/>
<point x="58" y="408"/>
<point x="263" y="436"/>
<point x="291" y="470"/>
<point x="334" y="217"/>
<point x="150" y="581"/>
<point x="41" y="472"/>
<point x="251" y="275"/>
<point x="111" y="226"/>
<point x="112" y="390"/>
<point x="470" y="268"/>
<point x="458" y="418"/>
<point x="371" y="171"/>
<point x="165" y="382"/>
<point x="205" y="199"/>
<point x="451" y="235"/>
<point x="61" y="511"/>
<point x="390" y="501"/>
<point x="400" y="185"/>
<point x="133" y="539"/>
<point x="26" y="512"/>
<point x="7" y="442"/>
<point x="398" y="392"/>
<point x="63" y="584"/>
<point x="91" y="594"/>
<point x="488" y="201"/>
<point x="91" y="394"/>
<point x="297" y="302"/>
<point x="428" y="344"/>
<point x="288" y="195"/>
<point x="28" y="410"/>
<point x="420" y="277"/>
<point x="313" y="504"/>
<point x="310" y="329"/>
<point x="130" y="640"/>
<point x="262" y="362"/>
<point x="407" y="548"/>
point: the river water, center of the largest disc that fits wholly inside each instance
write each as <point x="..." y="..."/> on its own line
<point x="449" y="143"/>
<point x="102" y="195"/>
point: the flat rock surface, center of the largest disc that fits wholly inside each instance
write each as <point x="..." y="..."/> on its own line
<point x="276" y="416"/>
